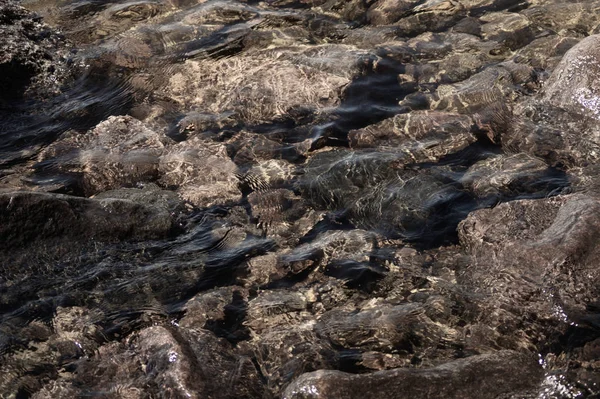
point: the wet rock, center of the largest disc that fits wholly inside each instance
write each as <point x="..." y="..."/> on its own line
<point x="476" y="93"/>
<point x="263" y="270"/>
<point x="362" y="275"/>
<point x="422" y="135"/>
<point x="201" y="171"/>
<point x="533" y="256"/>
<point x="257" y="86"/>
<point x="270" y="174"/>
<point x="94" y="22"/>
<point x="119" y="152"/>
<point x="218" y="127"/>
<point x="511" y="29"/>
<point x="573" y="83"/>
<point x="510" y="176"/>
<point x="431" y="15"/>
<point x="29" y="55"/>
<point x="352" y="10"/>
<point x="276" y="307"/>
<point x="249" y="149"/>
<point x="282" y="213"/>
<point x="553" y="134"/>
<point x="186" y="362"/>
<point x="39" y="217"/>
<point x="284" y="353"/>
<point x="484" y="376"/>
<point x="377" y="191"/>
<point x="546" y="52"/>
<point x="384" y="12"/>
<point x="150" y="195"/>
<point x="208" y="307"/>
<point x="382" y="327"/>
<point x="343" y="60"/>
<point x="330" y="246"/>
<point x="68" y="337"/>
<point x="566" y="19"/>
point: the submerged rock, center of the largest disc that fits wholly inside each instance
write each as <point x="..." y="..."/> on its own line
<point x="201" y="171"/>
<point x="119" y="152"/>
<point x="511" y="175"/>
<point x="421" y="135"/>
<point x="293" y="197"/>
<point x="533" y="257"/>
<point x="258" y="86"/>
<point x="483" y="376"/>
<point x="39" y="217"/>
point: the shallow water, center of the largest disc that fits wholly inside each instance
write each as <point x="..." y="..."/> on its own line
<point x="302" y="120"/>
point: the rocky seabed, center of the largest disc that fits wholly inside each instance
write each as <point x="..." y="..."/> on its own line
<point x="300" y="199"/>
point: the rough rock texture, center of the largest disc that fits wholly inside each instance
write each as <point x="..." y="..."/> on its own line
<point x="202" y="172"/>
<point x="486" y="375"/>
<point x="547" y="246"/>
<point x="26" y="60"/>
<point x="314" y="198"/>
<point x="28" y="217"/>
<point x="119" y="152"/>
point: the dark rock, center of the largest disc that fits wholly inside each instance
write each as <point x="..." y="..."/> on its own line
<point x="207" y="307"/>
<point x="546" y="52"/>
<point x="26" y="63"/>
<point x="511" y="29"/>
<point x="356" y="274"/>
<point x="483" y="376"/>
<point x="384" y="12"/>
<point x="281" y="213"/>
<point x="432" y="16"/>
<point x="38" y="217"/>
<point x="328" y="247"/>
<point x="566" y="19"/>
<point x="559" y="136"/>
<point x="182" y="363"/>
<point x="266" y="310"/>
<point x="284" y="353"/>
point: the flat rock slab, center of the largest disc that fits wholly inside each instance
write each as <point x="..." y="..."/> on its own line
<point x="27" y="217"/>
<point x="502" y="374"/>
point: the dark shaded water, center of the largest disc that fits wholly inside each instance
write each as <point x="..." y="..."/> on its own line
<point x="333" y="136"/>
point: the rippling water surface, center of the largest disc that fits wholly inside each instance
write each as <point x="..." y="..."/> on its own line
<point x="281" y="182"/>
